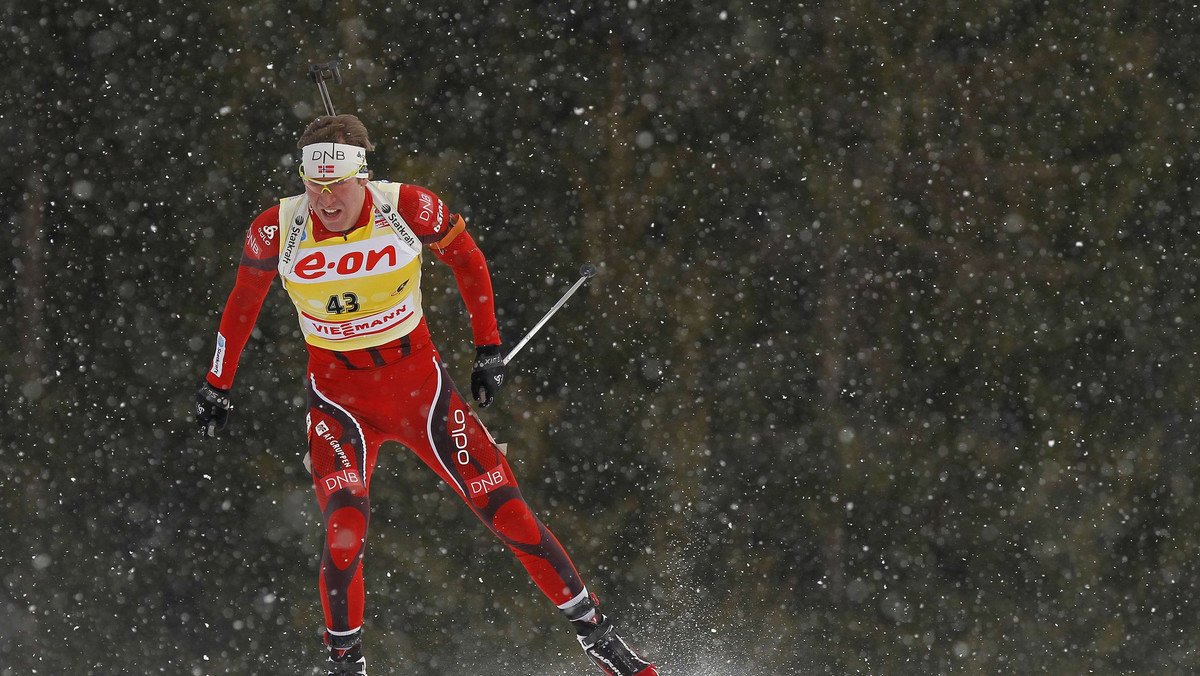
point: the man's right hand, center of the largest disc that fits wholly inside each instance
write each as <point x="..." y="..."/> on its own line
<point x="212" y="409"/>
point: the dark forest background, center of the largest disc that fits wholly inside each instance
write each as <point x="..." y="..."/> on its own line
<point x="889" y="368"/>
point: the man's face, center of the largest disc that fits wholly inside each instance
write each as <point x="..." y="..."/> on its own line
<point x="338" y="204"/>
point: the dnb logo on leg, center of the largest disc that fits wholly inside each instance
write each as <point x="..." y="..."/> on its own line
<point x="486" y="483"/>
<point x="346" y="478"/>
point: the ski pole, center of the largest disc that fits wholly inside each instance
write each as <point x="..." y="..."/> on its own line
<point x="585" y="272"/>
<point x="320" y="72"/>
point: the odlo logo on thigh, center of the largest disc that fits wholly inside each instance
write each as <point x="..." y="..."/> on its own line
<point x="459" y="434"/>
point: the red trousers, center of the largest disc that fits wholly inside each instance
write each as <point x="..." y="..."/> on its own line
<point x="354" y="406"/>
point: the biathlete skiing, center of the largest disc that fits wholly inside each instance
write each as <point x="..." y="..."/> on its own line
<point x="348" y="251"/>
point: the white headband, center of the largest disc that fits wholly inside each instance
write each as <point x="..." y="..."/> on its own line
<point x="325" y="163"/>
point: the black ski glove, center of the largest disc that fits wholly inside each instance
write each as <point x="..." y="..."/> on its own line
<point x="212" y="409"/>
<point x="487" y="374"/>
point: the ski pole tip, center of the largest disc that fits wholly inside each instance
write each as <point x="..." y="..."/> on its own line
<point x="588" y="270"/>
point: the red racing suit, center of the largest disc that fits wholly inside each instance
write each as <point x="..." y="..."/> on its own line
<point x="374" y="375"/>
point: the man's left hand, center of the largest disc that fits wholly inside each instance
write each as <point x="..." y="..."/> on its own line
<point x="487" y="374"/>
<point x="212" y="409"/>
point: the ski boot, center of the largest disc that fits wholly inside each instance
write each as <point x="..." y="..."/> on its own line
<point x="345" y="655"/>
<point x="601" y="643"/>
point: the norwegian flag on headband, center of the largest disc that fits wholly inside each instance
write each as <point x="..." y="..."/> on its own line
<point x="333" y="161"/>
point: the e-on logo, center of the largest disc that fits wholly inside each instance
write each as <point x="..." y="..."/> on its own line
<point x="346" y="263"/>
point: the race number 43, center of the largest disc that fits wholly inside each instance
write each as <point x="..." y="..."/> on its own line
<point x="347" y="302"/>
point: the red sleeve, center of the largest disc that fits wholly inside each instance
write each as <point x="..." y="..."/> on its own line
<point x="475" y="285"/>
<point x="445" y="234"/>
<point x="260" y="258"/>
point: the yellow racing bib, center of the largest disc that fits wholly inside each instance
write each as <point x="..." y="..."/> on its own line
<point x="357" y="291"/>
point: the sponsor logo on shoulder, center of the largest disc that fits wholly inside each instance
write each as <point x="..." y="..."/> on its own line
<point x="426" y="206"/>
<point x="295" y="235"/>
<point x="429" y="210"/>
